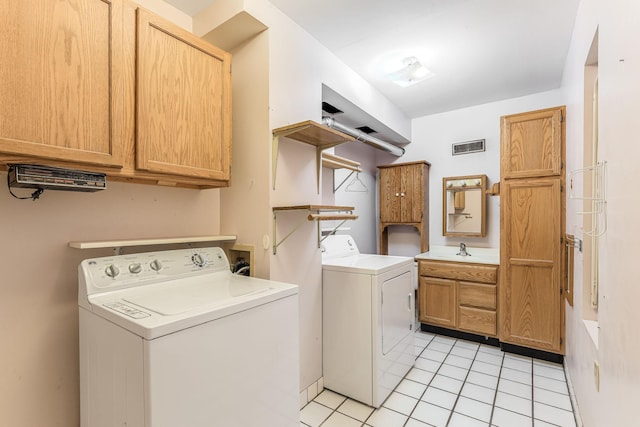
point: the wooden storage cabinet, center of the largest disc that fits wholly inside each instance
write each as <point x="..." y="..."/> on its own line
<point x="404" y="198"/>
<point x="183" y="102"/>
<point x="458" y="296"/>
<point x="532" y="224"/>
<point x="532" y="144"/>
<point x="437" y="299"/>
<point x="83" y="97"/>
<point x="59" y="80"/>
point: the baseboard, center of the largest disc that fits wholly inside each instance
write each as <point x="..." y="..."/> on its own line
<point x="509" y="348"/>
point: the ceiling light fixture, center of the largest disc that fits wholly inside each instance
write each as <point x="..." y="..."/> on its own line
<point x="411" y="73"/>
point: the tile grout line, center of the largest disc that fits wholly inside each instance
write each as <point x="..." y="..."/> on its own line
<point x="463" y="383"/>
<point x="430" y="381"/>
<point x="495" y="395"/>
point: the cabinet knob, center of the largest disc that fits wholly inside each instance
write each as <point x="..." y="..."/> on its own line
<point x="397" y="194"/>
<point x="401" y="194"/>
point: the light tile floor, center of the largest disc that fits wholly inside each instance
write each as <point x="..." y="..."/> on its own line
<point x="458" y="383"/>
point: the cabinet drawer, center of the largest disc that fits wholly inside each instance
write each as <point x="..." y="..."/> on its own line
<point x="477" y="320"/>
<point x="459" y="271"/>
<point x="477" y="295"/>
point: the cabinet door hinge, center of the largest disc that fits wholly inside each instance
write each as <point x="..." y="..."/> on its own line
<point x="561" y="239"/>
<point x="560" y="340"/>
<point x="561" y="117"/>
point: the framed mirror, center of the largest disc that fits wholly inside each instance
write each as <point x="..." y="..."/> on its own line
<point x="464" y="206"/>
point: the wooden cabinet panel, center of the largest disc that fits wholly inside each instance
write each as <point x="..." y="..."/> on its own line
<point x="531" y="257"/>
<point x="437" y="301"/>
<point x="477" y="320"/>
<point x="412" y="193"/>
<point x="459" y="271"/>
<point x="477" y="295"/>
<point x="390" y="179"/>
<point x="183" y="102"/>
<point x="60" y="80"/>
<point x="532" y="144"/>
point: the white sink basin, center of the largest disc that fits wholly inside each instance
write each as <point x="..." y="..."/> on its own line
<point x="450" y="253"/>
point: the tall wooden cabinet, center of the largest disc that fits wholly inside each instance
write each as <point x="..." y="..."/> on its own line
<point x="404" y="200"/>
<point x="532" y="213"/>
<point x="106" y="86"/>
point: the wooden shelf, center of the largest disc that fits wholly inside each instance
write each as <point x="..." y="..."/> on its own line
<point x="314" y="215"/>
<point x="116" y="244"/>
<point x="319" y="208"/>
<point x="313" y="133"/>
<point x="308" y="132"/>
<point x="332" y="161"/>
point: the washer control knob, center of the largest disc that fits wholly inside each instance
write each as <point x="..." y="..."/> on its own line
<point x="198" y="260"/>
<point x="155" y="265"/>
<point x="135" y="268"/>
<point x="112" y="271"/>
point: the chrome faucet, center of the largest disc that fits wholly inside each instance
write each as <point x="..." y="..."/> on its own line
<point x="463" y="250"/>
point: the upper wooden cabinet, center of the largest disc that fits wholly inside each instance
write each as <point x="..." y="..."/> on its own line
<point x="183" y="102"/>
<point x="404" y="198"/>
<point x="106" y="86"/>
<point x="60" y="73"/>
<point x="402" y="194"/>
<point x="532" y="144"/>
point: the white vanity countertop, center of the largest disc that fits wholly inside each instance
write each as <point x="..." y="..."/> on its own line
<point x="448" y="253"/>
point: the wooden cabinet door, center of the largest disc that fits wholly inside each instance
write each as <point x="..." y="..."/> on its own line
<point x="390" y="201"/>
<point x="532" y="144"/>
<point x="437" y="301"/>
<point x="412" y="193"/>
<point x="531" y="303"/>
<point x="183" y="102"/>
<point x="60" y="79"/>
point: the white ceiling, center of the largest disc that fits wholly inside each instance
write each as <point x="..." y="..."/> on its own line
<point x="480" y="50"/>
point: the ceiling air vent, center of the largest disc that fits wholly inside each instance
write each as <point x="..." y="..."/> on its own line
<point x="467" y="147"/>
<point x="330" y="108"/>
<point x="366" y="129"/>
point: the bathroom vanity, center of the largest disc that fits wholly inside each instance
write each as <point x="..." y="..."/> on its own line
<point x="459" y="292"/>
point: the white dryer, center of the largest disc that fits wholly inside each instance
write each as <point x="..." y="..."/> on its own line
<point x="172" y="338"/>
<point x="367" y="319"/>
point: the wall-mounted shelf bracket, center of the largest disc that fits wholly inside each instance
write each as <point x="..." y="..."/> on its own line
<point x="314" y="215"/>
<point x="309" y="132"/>
<point x="331" y="161"/>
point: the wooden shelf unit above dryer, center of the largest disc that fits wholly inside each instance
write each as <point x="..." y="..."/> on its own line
<point x="316" y="213"/>
<point x="308" y="132"/>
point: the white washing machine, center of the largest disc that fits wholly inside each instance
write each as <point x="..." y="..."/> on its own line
<point x="172" y="338"/>
<point x="367" y="319"/>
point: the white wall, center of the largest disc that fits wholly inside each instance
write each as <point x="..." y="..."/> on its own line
<point x="432" y="139"/>
<point x="39" y="383"/>
<point x="618" y="351"/>
<point x="39" y="286"/>
<point x="298" y="66"/>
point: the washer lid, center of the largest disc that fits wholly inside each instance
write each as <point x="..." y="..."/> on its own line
<point x="339" y="245"/>
<point x="192" y="294"/>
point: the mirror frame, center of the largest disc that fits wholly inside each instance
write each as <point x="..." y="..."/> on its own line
<point x="483" y="207"/>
